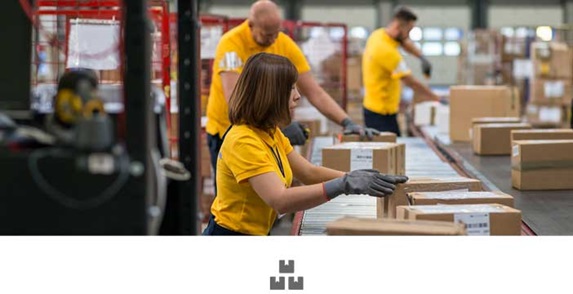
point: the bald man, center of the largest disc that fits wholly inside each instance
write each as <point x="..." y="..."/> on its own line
<point x="262" y="33"/>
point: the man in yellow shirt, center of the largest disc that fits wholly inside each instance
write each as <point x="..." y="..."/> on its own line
<point x="261" y="33"/>
<point x="384" y="68"/>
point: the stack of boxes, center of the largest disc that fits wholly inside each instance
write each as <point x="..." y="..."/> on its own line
<point x="495" y="138"/>
<point x="480" y="57"/>
<point x="470" y="102"/>
<point x="542" y="165"/>
<point x="550" y="84"/>
<point x="446" y="201"/>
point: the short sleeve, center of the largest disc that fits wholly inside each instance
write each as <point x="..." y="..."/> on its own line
<point x="399" y="68"/>
<point x="228" y="57"/>
<point x="296" y="56"/>
<point x="246" y="157"/>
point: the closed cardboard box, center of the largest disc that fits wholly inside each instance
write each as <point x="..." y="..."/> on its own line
<point x="557" y="64"/>
<point x="401" y="159"/>
<point x="386" y="207"/>
<point x="551" y="90"/>
<point x="495" y="120"/>
<point x="480" y="219"/>
<point x="361" y="155"/>
<point x="542" y="165"/>
<point x="443" y="119"/>
<point x="541" y="134"/>
<point x="425" y="113"/>
<point x="492" y="120"/>
<point x="435" y="198"/>
<point x="469" y="102"/>
<point x="349" y="226"/>
<point x="382" y="137"/>
<point x="314" y="128"/>
<point x="354" y="73"/>
<point x="495" y="139"/>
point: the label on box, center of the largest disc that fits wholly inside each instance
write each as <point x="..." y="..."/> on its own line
<point x="515" y="150"/>
<point x="522" y="68"/>
<point x="554" y="89"/>
<point x="361" y="159"/>
<point x="477" y="224"/>
<point x="550" y="114"/>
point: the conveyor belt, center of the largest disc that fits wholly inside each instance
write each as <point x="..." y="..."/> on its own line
<point x="421" y="160"/>
<point x="545" y="212"/>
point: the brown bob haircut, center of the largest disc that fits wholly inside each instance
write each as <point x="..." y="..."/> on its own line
<point x="262" y="93"/>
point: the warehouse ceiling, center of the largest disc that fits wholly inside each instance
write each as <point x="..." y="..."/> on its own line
<point x="406" y="2"/>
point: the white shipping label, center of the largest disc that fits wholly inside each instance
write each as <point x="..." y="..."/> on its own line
<point x="477" y="224"/>
<point x="554" y="89"/>
<point x="522" y="68"/>
<point x="515" y="150"/>
<point x="361" y="159"/>
<point x="550" y="114"/>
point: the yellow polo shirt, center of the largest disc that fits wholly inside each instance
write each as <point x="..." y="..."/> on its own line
<point x="246" y="152"/>
<point x="233" y="50"/>
<point x="382" y="69"/>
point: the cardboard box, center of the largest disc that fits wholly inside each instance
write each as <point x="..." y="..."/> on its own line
<point x="542" y="165"/>
<point x="443" y="119"/>
<point x="544" y="90"/>
<point x="495" y="139"/>
<point x="383" y="137"/>
<point x="110" y="76"/>
<point x="492" y="120"/>
<point x="361" y="155"/>
<point x="350" y="226"/>
<point x="557" y="65"/>
<point x="354" y="73"/>
<point x="401" y="159"/>
<point x="480" y="219"/>
<point x="449" y="198"/>
<point x="469" y="102"/>
<point x="386" y="207"/>
<point x="541" y="134"/>
<point x="495" y="120"/>
<point x="425" y="113"/>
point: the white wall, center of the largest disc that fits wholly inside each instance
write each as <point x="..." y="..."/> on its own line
<point x="364" y="16"/>
<point x="445" y="68"/>
<point x="500" y="16"/>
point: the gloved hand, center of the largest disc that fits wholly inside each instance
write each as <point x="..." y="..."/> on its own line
<point x="363" y="181"/>
<point x="426" y="67"/>
<point x="353" y="128"/>
<point x="296" y="133"/>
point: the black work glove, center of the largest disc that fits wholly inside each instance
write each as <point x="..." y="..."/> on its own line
<point x="296" y="133"/>
<point x="351" y="127"/>
<point x="363" y="181"/>
<point x="426" y="67"/>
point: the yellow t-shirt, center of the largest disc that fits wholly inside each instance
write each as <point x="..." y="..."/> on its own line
<point x="382" y="69"/>
<point x="245" y="153"/>
<point x="233" y="50"/>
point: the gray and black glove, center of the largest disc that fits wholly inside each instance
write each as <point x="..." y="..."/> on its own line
<point x="426" y="67"/>
<point x="351" y="127"/>
<point x="296" y="133"/>
<point x="363" y="181"/>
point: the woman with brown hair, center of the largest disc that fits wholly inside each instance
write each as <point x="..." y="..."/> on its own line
<point x="256" y="164"/>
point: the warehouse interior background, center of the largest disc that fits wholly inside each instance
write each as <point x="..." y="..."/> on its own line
<point x="494" y="62"/>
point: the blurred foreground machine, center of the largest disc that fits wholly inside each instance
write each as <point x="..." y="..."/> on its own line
<point x="72" y="172"/>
